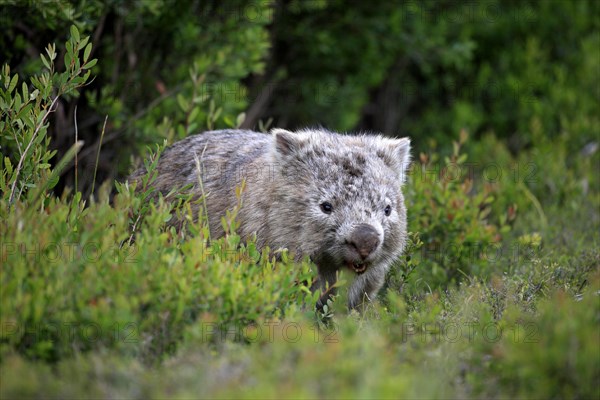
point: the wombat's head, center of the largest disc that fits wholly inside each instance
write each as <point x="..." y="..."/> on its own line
<point x="342" y="196"/>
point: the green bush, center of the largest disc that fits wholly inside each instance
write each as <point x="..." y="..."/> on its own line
<point x="425" y="69"/>
<point x="78" y="276"/>
<point x="419" y="69"/>
<point x="72" y="281"/>
<point x="163" y="63"/>
<point x="548" y="354"/>
<point x="460" y="236"/>
<point x="25" y="113"/>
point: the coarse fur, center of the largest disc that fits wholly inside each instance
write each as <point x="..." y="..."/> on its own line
<point x="336" y="198"/>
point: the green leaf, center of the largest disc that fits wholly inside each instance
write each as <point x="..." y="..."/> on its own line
<point x="34" y="94"/>
<point x="86" y="52"/>
<point x="5" y="72"/>
<point x="25" y="91"/>
<point x="240" y="119"/>
<point x="183" y="103"/>
<point x="51" y="51"/>
<point x="90" y="64"/>
<point x="24" y="111"/>
<point x="8" y="166"/>
<point x="68" y="59"/>
<point x="45" y="62"/>
<point x="83" y="43"/>
<point x="74" y="33"/>
<point x="228" y="121"/>
<point x="17" y="104"/>
<point x="69" y="47"/>
<point x="29" y="121"/>
<point x="194" y="114"/>
<point x="192" y="127"/>
<point x="36" y="82"/>
<point x="13" y="83"/>
<point x="217" y="113"/>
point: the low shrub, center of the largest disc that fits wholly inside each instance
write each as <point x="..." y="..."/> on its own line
<point x="454" y="219"/>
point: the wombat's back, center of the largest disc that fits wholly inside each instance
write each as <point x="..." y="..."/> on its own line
<point x="213" y="163"/>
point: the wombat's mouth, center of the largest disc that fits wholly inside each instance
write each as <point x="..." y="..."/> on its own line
<point x="358" y="267"/>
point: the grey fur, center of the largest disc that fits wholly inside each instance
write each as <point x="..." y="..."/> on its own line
<point x="289" y="176"/>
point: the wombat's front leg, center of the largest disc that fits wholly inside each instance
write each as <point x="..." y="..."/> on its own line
<point x="325" y="284"/>
<point x="365" y="287"/>
<point x="362" y="290"/>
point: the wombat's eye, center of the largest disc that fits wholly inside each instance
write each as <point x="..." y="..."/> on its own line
<point x="388" y="210"/>
<point x="326" y="207"/>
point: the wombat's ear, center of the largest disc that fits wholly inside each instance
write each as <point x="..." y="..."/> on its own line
<point x="397" y="155"/>
<point x="286" y="142"/>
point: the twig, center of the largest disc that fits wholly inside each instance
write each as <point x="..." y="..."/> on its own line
<point x="199" y="173"/>
<point x="76" y="140"/>
<point x="536" y="204"/>
<point x="133" y="229"/>
<point x="98" y="155"/>
<point x="22" y="158"/>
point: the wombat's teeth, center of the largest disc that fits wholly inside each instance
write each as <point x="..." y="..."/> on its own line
<point x="359" y="268"/>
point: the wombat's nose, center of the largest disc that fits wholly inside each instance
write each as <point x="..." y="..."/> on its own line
<point x="364" y="239"/>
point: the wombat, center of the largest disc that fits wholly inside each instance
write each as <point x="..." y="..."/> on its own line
<point x="336" y="198"/>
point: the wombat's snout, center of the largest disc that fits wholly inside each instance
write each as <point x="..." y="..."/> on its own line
<point x="364" y="239"/>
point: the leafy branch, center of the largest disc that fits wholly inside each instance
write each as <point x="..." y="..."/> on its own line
<point x="24" y="114"/>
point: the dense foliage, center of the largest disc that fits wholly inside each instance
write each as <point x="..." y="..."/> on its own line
<point x="497" y="294"/>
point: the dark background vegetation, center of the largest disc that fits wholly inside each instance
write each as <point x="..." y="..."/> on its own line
<point x="101" y="298"/>
<point x="418" y="69"/>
